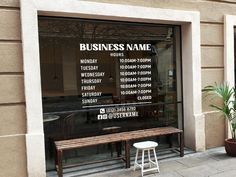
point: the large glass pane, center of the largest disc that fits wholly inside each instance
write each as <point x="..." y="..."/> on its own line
<point x="102" y="77"/>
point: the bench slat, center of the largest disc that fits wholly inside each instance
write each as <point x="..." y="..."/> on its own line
<point x="115" y="137"/>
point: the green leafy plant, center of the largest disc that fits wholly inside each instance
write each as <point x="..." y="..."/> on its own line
<point x="227" y="95"/>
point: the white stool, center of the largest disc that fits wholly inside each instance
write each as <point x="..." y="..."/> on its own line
<point x="146" y="146"/>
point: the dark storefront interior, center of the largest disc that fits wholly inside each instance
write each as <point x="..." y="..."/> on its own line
<point x="67" y="110"/>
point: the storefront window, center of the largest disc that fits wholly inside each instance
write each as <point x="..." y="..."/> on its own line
<point x="101" y="77"/>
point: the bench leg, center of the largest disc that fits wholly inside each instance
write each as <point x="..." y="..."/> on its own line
<point x="127" y="154"/>
<point x="59" y="163"/>
<point x="181" y="144"/>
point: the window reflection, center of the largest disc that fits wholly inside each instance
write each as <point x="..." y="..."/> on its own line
<point x="65" y="115"/>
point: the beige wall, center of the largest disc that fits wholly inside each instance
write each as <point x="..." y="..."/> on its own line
<point x="12" y="106"/>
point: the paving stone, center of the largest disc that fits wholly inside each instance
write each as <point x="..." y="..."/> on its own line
<point x="196" y="161"/>
<point x="216" y="150"/>
<point x="198" y="171"/>
<point x="170" y="166"/>
<point x="224" y="165"/>
<point x="231" y="173"/>
<point x="220" y="156"/>
<point x="171" y="174"/>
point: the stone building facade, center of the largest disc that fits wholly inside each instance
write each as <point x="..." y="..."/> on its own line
<point x="18" y="157"/>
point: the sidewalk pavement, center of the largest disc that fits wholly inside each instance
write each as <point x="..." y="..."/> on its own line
<point x="213" y="163"/>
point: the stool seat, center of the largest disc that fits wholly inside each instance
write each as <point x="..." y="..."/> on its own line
<point x="145" y="145"/>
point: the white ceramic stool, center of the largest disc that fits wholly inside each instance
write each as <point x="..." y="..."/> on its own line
<point x="146" y="146"/>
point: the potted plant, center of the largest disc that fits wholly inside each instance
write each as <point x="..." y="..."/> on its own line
<point x="227" y="95"/>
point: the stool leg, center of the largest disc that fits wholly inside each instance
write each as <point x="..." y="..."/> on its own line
<point x="142" y="167"/>
<point x="149" y="158"/>
<point x="136" y="160"/>
<point x="155" y="156"/>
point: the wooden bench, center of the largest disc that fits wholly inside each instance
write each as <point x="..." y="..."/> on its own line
<point x="125" y="137"/>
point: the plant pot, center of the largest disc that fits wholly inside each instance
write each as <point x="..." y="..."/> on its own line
<point x="230" y="147"/>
